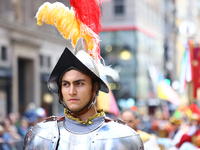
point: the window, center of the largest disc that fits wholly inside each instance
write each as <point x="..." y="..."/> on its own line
<point x="3" y="53"/>
<point x="119" y="7"/>
<point x="45" y="61"/>
<point x="41" y="60"/>
<point x="49" y="61"/>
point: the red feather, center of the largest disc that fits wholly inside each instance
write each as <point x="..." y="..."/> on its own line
<point x="88" y="12"/>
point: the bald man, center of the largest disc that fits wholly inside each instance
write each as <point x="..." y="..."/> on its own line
<point x="132" y="120"/>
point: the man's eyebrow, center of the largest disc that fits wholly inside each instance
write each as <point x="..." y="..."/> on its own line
<point x="79" y="80"/>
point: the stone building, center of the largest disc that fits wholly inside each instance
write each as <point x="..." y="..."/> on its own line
<point x="27" y="55"/>
<point x="132" y="42"/>
<point x="187" y="22"/>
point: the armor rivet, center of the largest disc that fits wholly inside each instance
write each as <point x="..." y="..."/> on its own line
<point x="52" y="141"/>
<point x="97" y="134"/>
<point x="92" y="141"/>
<point x="54" y="136"/>
<point x="90" y="122"/>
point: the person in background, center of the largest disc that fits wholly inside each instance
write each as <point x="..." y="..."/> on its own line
<point x="23" y="127"/>
<point x="11" y="137"/>
<point x="13" y="120"/>
<point x="30" y="113"/>
<point x="4" y="139"/>
<point x="10" y="127"/>
<point x="178" y="129"/>
<point x="190" y="140"/>
<point x="132" y="119"/>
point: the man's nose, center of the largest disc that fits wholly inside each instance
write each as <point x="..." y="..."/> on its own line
<point x="72" y="90"/>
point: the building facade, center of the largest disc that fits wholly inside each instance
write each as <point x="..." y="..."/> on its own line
<point x="28" y="53"/>
<point x="187" y="22"/>
<point x="132" y="42"/>
<point x="135" y="37"/>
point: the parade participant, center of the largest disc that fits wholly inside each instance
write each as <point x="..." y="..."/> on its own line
<point x="190" y="140"/>
<point x="132" y="119"/>
<point x="175" y="124"/>
<point x="77" y="81"/>
<point x="178" y="129"/>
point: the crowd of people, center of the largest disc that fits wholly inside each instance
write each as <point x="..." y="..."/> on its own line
<point x="178" y="131"/>
<point x="12" y="131"/>
<point x="14" y="127"/>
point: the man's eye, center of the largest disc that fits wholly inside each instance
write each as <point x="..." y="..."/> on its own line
<point x="79" y="83"/>
<point x="65" y="84"/>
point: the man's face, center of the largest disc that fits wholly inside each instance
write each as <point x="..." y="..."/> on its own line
<point x="130" y="119"/>
<point x="76" y="89"/>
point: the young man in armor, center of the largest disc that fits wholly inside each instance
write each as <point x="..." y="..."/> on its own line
<point x="77" y="81"/>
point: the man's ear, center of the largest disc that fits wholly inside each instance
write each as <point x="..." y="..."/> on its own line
<point x="138" y="121"/>
<point x="95" y="87"/>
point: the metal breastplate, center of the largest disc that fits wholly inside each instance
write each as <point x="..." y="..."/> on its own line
<point x="108" y="136"/>
<point x="42" y="136"/>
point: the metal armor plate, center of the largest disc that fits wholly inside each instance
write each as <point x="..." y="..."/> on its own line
<point x="42" y="136"/>
<point x="110" y="135"/>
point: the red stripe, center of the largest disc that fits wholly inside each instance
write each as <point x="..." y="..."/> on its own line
<point x="128" y="28"/>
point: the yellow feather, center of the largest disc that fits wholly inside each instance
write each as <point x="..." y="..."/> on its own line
<point x="68" y="25"/>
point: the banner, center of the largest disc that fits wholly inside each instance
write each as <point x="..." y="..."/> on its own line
<point x="195" y="58"/>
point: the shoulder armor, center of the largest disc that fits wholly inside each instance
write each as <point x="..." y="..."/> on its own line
<point x="118" y="134"/>
<point x="115" y="130"/>
<point x="45" y="132"/>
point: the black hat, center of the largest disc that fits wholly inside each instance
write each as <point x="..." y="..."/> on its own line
<point x="82" y="61"/>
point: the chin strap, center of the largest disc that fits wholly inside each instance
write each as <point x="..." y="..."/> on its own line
<point x="94" y="101"/>
<point x="82" y="111"/>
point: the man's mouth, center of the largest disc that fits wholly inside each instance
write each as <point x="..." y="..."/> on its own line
<point x="73" y="99"/>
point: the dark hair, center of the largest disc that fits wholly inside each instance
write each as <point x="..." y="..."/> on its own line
<point x="59" y="82"/>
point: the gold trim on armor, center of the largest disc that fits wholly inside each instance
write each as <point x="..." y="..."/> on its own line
<point x="89" y="121"/>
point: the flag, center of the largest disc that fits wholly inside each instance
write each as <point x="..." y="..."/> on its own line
<point x="166" y="92"/>
<point x="196" y="69"/>
<point x="186" y="70"/>
<point x="107" y="102"/>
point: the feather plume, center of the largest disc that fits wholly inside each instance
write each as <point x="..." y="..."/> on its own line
<point x="70" y="27"/>
<point x="89" y="13"/>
